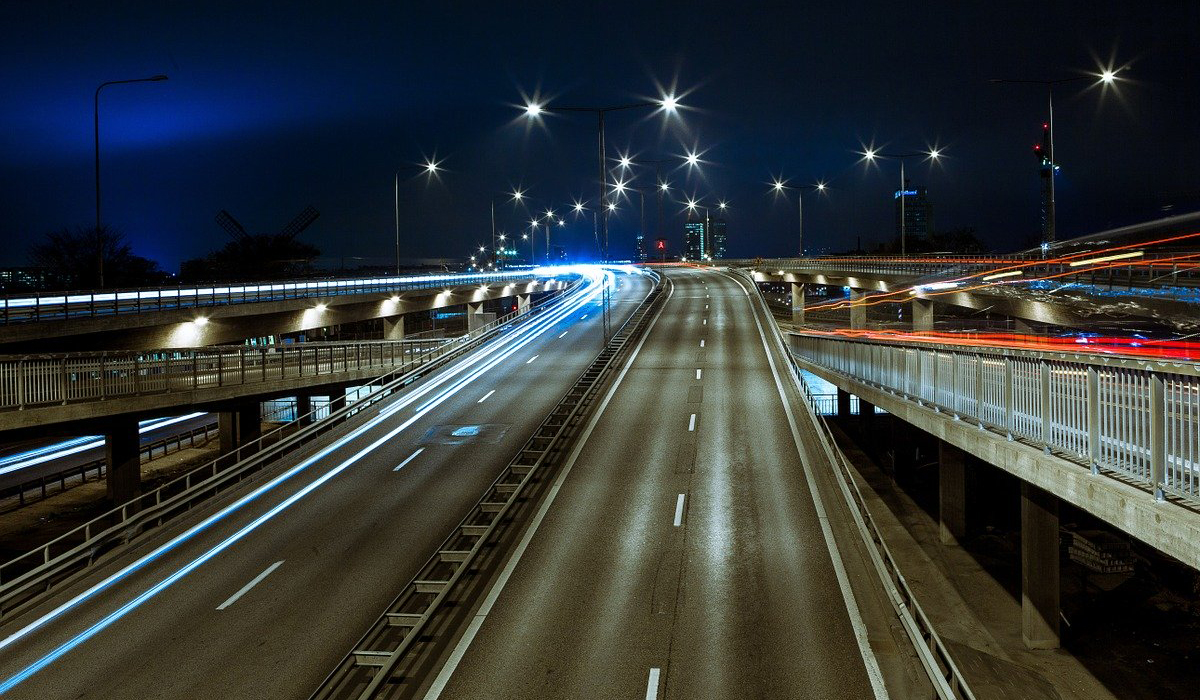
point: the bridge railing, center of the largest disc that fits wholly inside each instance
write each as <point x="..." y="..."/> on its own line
<point x="41" y="380"/>
<point x="1138" y="420"/>
<point x="82" y="304"/>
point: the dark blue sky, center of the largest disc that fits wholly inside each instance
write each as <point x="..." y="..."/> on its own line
<point x="275" y="107"/>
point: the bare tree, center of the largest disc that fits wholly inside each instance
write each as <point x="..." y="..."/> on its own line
<point x="91" y="258"/>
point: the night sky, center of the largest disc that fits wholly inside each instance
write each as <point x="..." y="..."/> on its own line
<point x="268" y="110"/>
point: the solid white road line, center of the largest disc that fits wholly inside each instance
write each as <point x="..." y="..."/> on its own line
<point x="532" y="359"/>
<point x="874" y="675"/>
<point x="679" y="510"/>
<point x="563" y="333"/>
<point x="246" y="589"/>
<point x="692" y="423"/>
<point x="410" y="458"/>
<point x="701" y="342"/>
<point x="697" y="374"/>
<point x="460" y="649"/>
<point x="652" y="684"/>
<point x="485" y="396"/>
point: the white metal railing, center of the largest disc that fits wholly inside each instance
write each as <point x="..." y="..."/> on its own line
<point x="1139" y="420"/>
<point x="63" y="378"/>
<point x="44" y="306"/>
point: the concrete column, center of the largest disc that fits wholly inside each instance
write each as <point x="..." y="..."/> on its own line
<point x="122" y="452"/>
<point x="249" y="426"/>
<point x="474" y="316"/>
<point x="1020" y="325"/>
<point x="1039" y="568"/>
<point x="922" y="314"/>
<point x="393" y="327"/>
<point x="858" y="314"/>
<point x="797" y="304"/>
<point x="952" y="493"/>
<point x="843" y="403"/>
<point x="227" y="429"/>
<point x="303" y="407"/>
<point x="337" y="400"/>
<point x="524" y="303"/>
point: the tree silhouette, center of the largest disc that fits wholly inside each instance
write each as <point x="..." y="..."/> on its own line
<point x="93" y="258"/>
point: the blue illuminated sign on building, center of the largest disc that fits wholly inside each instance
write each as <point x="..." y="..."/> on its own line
<point x="906" y="193"/>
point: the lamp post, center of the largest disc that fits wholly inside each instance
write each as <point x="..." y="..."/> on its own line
<point x="870" y="155"/>
<point x="779" y="186"/>
<point x="668" y="104"/>
<point x="431" y="169"/>
<point x="1108" y="77"/>
<point x="96" y="133"/>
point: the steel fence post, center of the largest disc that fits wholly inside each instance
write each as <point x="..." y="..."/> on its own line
<point x="1093" y="418"/>
<point x="1044" y="382"/>
<point x="1008" y="396"/>
<point x="1158" y="435"/>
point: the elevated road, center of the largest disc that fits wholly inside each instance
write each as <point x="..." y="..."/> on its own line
<point x="685" y="554"/>
<point x="260" y="592"/>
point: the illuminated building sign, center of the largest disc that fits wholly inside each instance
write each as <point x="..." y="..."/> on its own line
<point x="906" y="193"/>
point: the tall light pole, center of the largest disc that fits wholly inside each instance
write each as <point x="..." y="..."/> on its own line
<point x="871" y="155"/>
<point x="431" y="168"/>
<point x="96" y="133"/>
<point x="1108" y="77"/>
<point x="779" y="186"/>
<point x="668" y="104"/>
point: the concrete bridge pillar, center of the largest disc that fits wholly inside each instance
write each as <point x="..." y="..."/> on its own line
<point x="1039" y="568"/>
<point x="952" y="493"/>
<point x="858" y="312"/>
<point x="843" y="403"/>
<point x="523" y="303"/>
<point x="474" y="316"/>
<point x="122" y="451"/>
<point x="239" y="425"/>
<point x="1020" y="325"/>
<point x="337" y="400"/>
<point x="922" y="314"/>
<point x="393" y="327"/>
<point x="797" y="304"/>
<point x="304" y="408"/>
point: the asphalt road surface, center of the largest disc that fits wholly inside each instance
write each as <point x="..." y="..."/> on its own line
<point x="269" y="613"/>
<point x="683" y="556"/>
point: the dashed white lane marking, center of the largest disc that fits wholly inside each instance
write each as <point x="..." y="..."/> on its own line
<point x="692" y="423"/>
<point x="697" y="374"/>
<point x="701" y="342"/>
<point x="652" y="684"/>
<point x="532" y="359"/>
<point x="583" y="317"/>
<point x="679" y="510"/>
<point x="564" y="333"/>
<point x="408" y="459"/>
<point x="706" y="321"/>
<point x="246" y="589"/>
<point x="485" y="396"/>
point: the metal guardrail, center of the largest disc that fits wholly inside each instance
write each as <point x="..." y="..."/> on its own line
<point x="64" y="378"/>
<point x="1139" y="420"/>
<point x="31" y="575"/>
<point x="149" y="452"/>
<point x="948" y="681"/>
<point x="402" y="629"/>
<point x="82" y="304"/>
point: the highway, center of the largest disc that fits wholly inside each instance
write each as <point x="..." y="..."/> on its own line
<point x="260" y="592"/>
<point x="682" y="555"/>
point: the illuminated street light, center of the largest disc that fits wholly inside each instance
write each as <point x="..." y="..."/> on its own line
<point x="779" y="187"/>
<point x="562" y="222"/>
<point x="669" y="104"/>
<point x="625" y="162"/>
<point x="693" y="159"/>
<point x="578" y="207"/>
<point x="870" y="155"/>
<point x="664" y="186"/>
<point x="533" y="109"/>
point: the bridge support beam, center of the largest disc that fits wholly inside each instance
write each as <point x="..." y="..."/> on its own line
<point x="1020" y="325"/>
<point x="393" y="327"/>
<point x="952" y="493"/>
<point x="122" y="451"/>
<point x="922" y="314"/>
<point x="858" y="313"/>
<point x="238" y="426"/>
<point x="843" y="403"/>
<point x="797" y="304"/>
<point x="1039" y="568"/>
<point x="523" y="303"/>
<point x="474" y="316"/>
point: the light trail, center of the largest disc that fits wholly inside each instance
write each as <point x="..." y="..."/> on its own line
<point x="491" y="355"/>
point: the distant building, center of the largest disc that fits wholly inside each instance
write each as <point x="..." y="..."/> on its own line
<point x="695" y="239"/>
<point x="716" y="239"/>
<point x="558" y="254"/>
<point x="917" y="213"/>
<point x="28" y="279"/>
<point x="641" y="246"/>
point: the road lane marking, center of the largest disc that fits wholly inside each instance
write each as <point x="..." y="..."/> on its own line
<point x="706" y="321"/>
<point x="532" y="359"/>
<point x="870" y="663"/>
<point x="246" y="589"/>
<point x="679" y="510"/>
<point x="697" y="374"/>
<point x="692" y="423"/>
<point x="706" y="307"/>
<point x="701" y="343"/>
<point x="460" y="649"/>
<point x="485" y="396"/>
<point x="410" y="458"/>
<point x="583" y="317"/>
<point x="563" y="333"/>
<point x="652" y="684"/>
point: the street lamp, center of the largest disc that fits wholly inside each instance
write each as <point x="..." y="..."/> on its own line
<point x="1108" y="76"/>
<point x="430" y="168"/>
<point x="96" y="133"/>
<point x="668" y="104"/>
<point x="779" y="187"/>
<point x="870" y="155"/>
